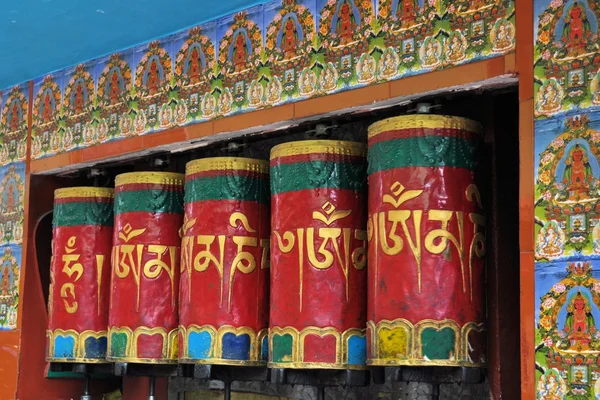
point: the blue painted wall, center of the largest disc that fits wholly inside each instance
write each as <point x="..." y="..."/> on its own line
<point x="41" y="36"/>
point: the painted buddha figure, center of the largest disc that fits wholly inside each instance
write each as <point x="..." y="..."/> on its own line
<point x="153" y="80"/>
<point x="115" y="91"/>
<point x="579" y="324"/>
<point x="549" y="100"/>
<point x="289" y="39"/>
<point x="578" y="174"/>
<point x="47" y="109"/>
<point x="14" y="117"/>
<point x="407" y="10"/>
<point x="551" y="388"/>
<point x="194" y="66"/>
<point x="240" y="52"/>
<point x="550" y="242"/>
<point x="346" y="23"/>
<point x="5" y="281"/>
<point x="431" y="56"/>
<point x="577" y="28"/>
<point x="456" y="51"/>
<point x="79" y="100"/>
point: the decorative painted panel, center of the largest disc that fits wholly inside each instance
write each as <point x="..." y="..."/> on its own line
<point x="13" y="124"/>
<point x="283" y="51"/>
<point x="567" y="199"/>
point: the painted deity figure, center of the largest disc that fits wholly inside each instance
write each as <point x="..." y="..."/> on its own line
<point x="79" y="100"/>
<point x="153" y="80"/>
<point x="503" y="37"/>
<point x="255" y="95"/>
<point x="240" y="52"/>
<point x="225" y="101"/>
<point x="550" y="241"/>
<point x="456" y="50"/>
<point x="289" y="39"/>
<point x="194" y="66"/>
<point x="10" y="199"/>
<point x="579" y="324"/>
<point x="115" y="90"/>
<point x="47" y="109"/>
<point x="549" y="99"/>
<point x="388" y="65"/>
<point x="14" y="117"/>
<point x="551" y="387"/>
<point x="578" y="174"/>
<point x="346" y="23"/>
<point x="5" y="281"/>
<point x="407" y="10"/>
<point x="431" y="54"/>
<point x="329" y="79"/>
<point x="577" y="28"/>
<point x="366" y="69"/>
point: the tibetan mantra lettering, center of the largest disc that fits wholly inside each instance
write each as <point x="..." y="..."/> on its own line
<point x="426" y="243"/>
<point x="318" y="255"/>
<point x="145" y="257"/>
<point x="224" y="299"/>
<point x="80" y="275"/>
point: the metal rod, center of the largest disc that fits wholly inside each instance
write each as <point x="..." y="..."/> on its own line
<point x="227" y="387"/>
<point x="435" y="391"/>
<point x="151" y="395"/>
<point x="86" y="388"/>
<point x="320" y="392"/>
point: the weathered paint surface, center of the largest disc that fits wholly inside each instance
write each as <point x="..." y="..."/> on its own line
<point x="426" y="243"/>
<point x="143" y="321"/>
<point x="224" y="298"/>
<point x="80" y="275"/>
<point x="318" y="255"/>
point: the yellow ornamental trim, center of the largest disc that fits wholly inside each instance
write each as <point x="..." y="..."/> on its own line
<point x="318" y="147"/>
<point x="227" y="163"/>
<point x="83" y="191"/>
<point x="157" y="178"/>
<point x="424" y="121"/>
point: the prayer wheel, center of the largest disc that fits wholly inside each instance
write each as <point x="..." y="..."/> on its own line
<point x="80" y="275"/>
<point x="318" y="255"/>
<point x="224" y="298"/>
<point x="426" y="243"/>
<point x="143" y="322"/>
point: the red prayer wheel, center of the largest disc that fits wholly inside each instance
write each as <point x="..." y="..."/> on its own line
<point x="80" y="274"/>
<point x="143" y="323"/>
<point x="224" y="299"/>
<point x="426" y="243"/>
<point x="318" y="255"/>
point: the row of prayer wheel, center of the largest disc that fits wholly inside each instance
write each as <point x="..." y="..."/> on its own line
<point x="244" y="263"/>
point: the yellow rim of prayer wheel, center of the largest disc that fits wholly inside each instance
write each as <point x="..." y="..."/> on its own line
<point x="158" y="178"/>
<point x="227" y="163"/>
<point x="424" y="121"/>
<point x="302" y="147"/>
<point x="83" y="191"/>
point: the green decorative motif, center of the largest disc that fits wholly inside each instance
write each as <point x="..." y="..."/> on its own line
<point x="229" y="187"/>
<point x="430" y="151"/>
<point x="438" y="344"/>
<point x="118" y="344"/>
<point x="317" y="175"/>
<point x="156" y="200"/>
<point x="282" y="348"/>
<point x="83" y="213"/>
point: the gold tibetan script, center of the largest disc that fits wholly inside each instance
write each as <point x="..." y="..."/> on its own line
<point x="75" y="270"/>
<point x="127" y="258"/>
<point x="320" y="240"/>
<point x="243" y="262"/>
<point x="437" y="241"/>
